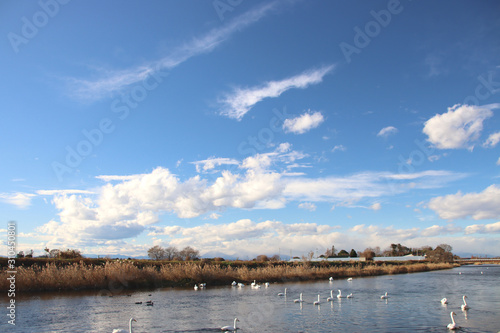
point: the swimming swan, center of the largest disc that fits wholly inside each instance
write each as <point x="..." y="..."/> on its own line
<point x="452" y="325"/>
<point x="230" y="328"/>
<point x="465" y="306"/>
<point x="119" y="330"/>
<point x="282" y="294"/>
<point x="329" y="299"/>
<point x="317" y="302"/>
<point x="299" y="300"/>
<point x="350" y="295"/>
<point x="384" y="296"/>
<point x="444" y="301"/>
<point x="340" y="294"/>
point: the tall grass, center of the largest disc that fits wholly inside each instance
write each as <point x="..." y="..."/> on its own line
<point x="116" y="276"/>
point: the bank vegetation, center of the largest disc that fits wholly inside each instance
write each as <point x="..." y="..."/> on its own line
<point x="117" y="276"/>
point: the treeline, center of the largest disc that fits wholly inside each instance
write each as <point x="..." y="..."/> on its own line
<point x="441" y="253"/>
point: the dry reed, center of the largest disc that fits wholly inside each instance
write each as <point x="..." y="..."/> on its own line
<point x="116" y="276"/>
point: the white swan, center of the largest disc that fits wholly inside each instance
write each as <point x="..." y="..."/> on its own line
<point x="340" y="294"/>
<point x="330" y="279"/>
<point x="266" y="284"/>
<point x="384" y="296"/>
<point x="119" y="330"/>
<point x="298" y="300"/>
<point x="234" y="284"/>
<point x="350" y="295"/>
<point x="465" y="306"/>
<point x="253" y="283"/>
<point x="203" y="285"/>
<point x="230" y="328"/>
<point x="241" y="285"/>
<point x="195" y="287"/>
<point x="282" y="294"/>
<point x="329" y="299"/>
<point x="317" y="302"/>
<point x="349" y="279"/>
<point x="452" y="325"/>
<point x="444" y="301"/>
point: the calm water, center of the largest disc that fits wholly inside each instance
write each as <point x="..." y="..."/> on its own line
<point x="413" y="305"/>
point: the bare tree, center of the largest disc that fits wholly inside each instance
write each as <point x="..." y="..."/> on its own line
<point x="171" y="252"/>
<point x="156" y="252"/>
<point x="188" y="253"/>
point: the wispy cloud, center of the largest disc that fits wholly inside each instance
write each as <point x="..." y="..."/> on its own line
<point x="110" y="82"/>
<point x="19" y="199"/>
<point x="236" y="104"/>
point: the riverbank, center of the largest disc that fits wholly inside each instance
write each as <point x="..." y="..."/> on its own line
<point x="120" y="275"/>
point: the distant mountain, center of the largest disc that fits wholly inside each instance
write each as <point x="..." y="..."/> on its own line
<point x="469" y="254"/>
<point x="113" y="256"/>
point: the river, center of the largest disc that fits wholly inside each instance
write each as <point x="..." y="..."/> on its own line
<point x="413" y="305"/>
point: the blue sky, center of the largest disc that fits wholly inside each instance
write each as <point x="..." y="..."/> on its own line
<point x="250" y="127"/>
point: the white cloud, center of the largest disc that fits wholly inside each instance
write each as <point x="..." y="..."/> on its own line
<point x="238" y="103"/>
<point x="211" y="163"/>
<point x="19" y="199"/>
<point x="498" y="162"/>
<point x="492" y="140"/>
<point x="492" y="228"/>
<point x="63" y="192"/>
<point x="386" y="131"/>
<point x="483" y="205"/>
<point x="115" y="81"/>
<point x="376" y="206"/>
<point x="339" y="148"/>
<point x="350" y="189"/>
<point x="303" y="123"/>
<point x="308" y="206"/>
<point x="460" y="127"/>
<point x="246" y="238"/>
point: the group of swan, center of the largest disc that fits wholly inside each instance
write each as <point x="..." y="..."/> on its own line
<point x="464" y="307"/>
<point x="201" y="286"/>
<point x="224" y="328"/>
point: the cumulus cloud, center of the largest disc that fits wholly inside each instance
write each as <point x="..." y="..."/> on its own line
<point x="248" y="238"/>
<point x="386" y="131"/>
<point x="479" y="206"/>
<point x="483" y="228"/>
<point x="241" y="100"/>
<point x="303" y="123"/>
<point x="460" y="127"/>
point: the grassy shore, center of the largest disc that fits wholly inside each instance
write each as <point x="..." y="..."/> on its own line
<point x="115" y="276"/>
